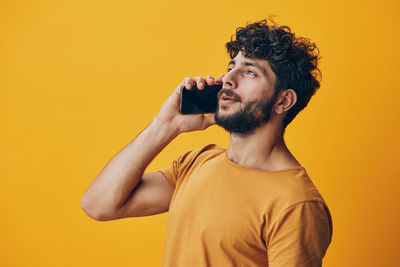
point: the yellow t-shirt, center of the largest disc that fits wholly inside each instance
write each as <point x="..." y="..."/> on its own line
<point x="224" y="214"/>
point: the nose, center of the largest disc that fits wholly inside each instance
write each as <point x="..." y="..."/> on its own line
<point x="229" y="80"/>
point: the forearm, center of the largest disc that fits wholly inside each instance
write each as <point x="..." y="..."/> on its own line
<point x="123" y="172"/>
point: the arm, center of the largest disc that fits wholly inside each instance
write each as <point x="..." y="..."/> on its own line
<point x="119" y="190"/>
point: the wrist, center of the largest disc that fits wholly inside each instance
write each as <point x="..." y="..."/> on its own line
<point x="166" y="129"/>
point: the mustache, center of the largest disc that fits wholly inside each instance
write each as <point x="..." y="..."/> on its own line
<point x="230" y="93"/>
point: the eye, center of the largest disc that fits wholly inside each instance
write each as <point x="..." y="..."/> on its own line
<point x="251" y="73"/>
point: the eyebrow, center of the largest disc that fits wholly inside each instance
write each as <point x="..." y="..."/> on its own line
<point x="247" y="63"/>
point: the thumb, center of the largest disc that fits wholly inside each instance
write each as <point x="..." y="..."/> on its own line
<point x="178" y="91"/>
<point x="173" y="100"/>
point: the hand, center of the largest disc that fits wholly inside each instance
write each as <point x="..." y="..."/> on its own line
<point x="169" y="112"/>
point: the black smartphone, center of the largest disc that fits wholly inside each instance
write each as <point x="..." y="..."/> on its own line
<point x="195" y="101"/>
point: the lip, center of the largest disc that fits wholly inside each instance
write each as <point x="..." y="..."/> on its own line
<point x="226" y="96"/>
<point x="226" y="102"/>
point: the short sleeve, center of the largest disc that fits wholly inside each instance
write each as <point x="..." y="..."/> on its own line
<point x="182" y="164"/>
<point x="171" y="172"/>
<point x="300" y="235"/>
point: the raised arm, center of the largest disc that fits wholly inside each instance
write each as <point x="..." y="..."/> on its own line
<point x="122" y="189"/>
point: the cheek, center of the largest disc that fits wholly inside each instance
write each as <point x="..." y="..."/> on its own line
<point x="253" y="89"/>
<point x="252" y="95"/>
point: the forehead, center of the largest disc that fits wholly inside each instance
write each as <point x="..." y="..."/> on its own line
<point x="262" y="63"/>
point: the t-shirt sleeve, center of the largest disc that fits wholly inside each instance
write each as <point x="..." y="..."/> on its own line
<point x="180" y="166"/>
<point x="300" y="235"/>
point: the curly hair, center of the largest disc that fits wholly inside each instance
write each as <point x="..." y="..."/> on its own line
<point x="293" y="59"/>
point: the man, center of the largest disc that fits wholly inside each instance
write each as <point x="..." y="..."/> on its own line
<point x="252" y="204"/>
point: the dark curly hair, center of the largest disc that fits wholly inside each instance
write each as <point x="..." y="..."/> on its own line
<point x="292" y="59"/>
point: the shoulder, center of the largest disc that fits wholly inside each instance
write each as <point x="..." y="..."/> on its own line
<point x="191" y="157"/>
<point x="206" y="151"/>
<point x="212" y="148"/>
<point x="290" y="191"/>
<point x="296" y="186"/>
<point x="188" y="161"/>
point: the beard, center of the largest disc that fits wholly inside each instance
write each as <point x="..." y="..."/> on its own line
<point x="247" y="119"/>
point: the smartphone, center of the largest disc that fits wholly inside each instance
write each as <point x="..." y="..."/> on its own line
<point x="197" y="101"/>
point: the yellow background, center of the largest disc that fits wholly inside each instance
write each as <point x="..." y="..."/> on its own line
<point x="80" y="79"/>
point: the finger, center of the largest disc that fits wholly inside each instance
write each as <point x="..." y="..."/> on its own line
<point x="210" y="80"/>
<point x="200" y="82"/>
<point x="219" y="79"/>
<point x="178" y="89"/>
<point x="188" y="83"/>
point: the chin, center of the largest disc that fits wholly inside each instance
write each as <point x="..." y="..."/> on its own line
<point x="226" y="107"/>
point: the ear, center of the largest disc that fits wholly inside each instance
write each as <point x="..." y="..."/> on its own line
<point x="285" y="100"/>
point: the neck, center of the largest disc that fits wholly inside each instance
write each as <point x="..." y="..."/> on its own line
<point x="264" y="149"/>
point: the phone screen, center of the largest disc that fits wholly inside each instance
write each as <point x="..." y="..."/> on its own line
<point x="197" y="101"/>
